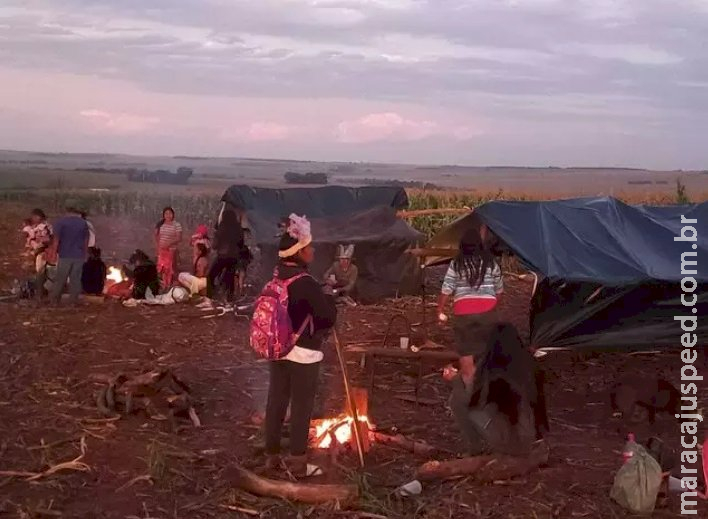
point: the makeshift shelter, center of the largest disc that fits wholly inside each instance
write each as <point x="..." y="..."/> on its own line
<point x="365" y="217"/>
<point x="609" y="272"/>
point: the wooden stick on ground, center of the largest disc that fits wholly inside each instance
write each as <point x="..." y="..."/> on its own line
<point x="486" y="468"/>
<point x="302" y="492"/>
<point x="414" y="446"/>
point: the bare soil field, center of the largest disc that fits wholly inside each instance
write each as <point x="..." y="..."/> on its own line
<point x="22" y="170"/>
<point x="136" y="467"/>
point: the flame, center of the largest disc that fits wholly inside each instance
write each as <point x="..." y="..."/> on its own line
<point x="114" y="274"/>
<point x="340" y="428"/>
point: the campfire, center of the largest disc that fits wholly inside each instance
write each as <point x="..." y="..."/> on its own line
<point x="338" y="432"/>
<point x="115" y="274"/>
<point x="339" y="428"/>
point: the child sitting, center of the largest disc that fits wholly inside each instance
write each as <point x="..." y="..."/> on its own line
<point x="93" y="274"/>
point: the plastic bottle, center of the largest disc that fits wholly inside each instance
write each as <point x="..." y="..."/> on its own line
<point x="629" y="447"/>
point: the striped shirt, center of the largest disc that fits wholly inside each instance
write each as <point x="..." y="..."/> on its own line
<point x="459" y="285"/>
<point x="168" y="234"/>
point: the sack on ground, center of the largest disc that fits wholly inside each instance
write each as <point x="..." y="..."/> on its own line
<point x="637" y="482"/>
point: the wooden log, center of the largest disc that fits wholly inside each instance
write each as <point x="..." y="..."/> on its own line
<point x="423" y="252"/>
<point x="428" y="212"/>
<point x="486" y="468"/>
<point x="406" y="354"/>
<point x="400" y="441"/>
<point x="303" y="492"/>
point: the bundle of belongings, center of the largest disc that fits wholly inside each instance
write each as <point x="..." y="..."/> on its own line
<point x="645" y="479"/>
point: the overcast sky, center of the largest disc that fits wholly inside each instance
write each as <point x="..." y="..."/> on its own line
<point x="481" y="82"/>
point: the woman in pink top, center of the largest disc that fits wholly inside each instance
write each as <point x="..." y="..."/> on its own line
<point x="168" y="235"/>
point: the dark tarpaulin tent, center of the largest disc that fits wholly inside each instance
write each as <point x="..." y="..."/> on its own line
<point x="364" y="216"/>
<point x="610" y="272"/>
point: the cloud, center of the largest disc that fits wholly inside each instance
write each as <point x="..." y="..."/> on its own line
<point x="120" y="122"/>
<point x="261" y="131"/>
<point x="515" y="62"/>
<point x="390" y="126"/>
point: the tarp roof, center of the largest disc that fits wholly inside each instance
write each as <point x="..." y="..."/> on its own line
<point x="319" y="201"/>
<point x="365" y="217"/>
<point x="599" y="240"/>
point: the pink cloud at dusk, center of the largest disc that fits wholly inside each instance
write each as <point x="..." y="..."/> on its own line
<point x="394" y="127"/>
<point x="258" y="131"/>
<point x="123" y="123"/>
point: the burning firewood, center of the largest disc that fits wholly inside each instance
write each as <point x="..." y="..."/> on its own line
<point x="302" y="492"/>
<point x="487" y="468"/>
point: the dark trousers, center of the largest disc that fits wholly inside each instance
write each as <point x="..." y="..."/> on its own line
<point x="227" y="267"/>
<point x="294" y="384"/>
<point x="67" y="269"/>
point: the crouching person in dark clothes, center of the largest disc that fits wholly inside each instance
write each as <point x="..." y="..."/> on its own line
<point x="507" y="409"/>
<point x="294" y="379"/>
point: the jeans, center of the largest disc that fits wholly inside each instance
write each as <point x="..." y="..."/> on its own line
<point x="294" y="384"/>
<point x="67" y="268"/>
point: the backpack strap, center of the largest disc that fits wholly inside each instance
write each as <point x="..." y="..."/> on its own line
<point x="308" y="320"/>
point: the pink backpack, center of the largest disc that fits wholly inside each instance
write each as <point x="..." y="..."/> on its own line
<point x="272" y="335"/>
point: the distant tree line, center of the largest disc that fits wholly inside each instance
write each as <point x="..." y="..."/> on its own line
<point x="291" y="177"/>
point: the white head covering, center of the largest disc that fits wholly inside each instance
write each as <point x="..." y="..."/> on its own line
<point x="345" y="251"/>
<point x="299" y="229"/>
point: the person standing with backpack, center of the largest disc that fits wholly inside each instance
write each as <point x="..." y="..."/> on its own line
<point x="291" y="320"/>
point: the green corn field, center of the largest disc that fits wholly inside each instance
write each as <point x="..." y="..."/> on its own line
<point x="199" y="208"/>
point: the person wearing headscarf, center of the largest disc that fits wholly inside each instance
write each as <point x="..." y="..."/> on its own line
<point x="341" y="277"/>
<point x="294" y="379"/>
<point x="200" y="237"/>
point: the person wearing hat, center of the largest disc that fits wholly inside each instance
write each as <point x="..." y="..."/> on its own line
<point x="71" y="237"/>
<point x="294" y="378"/>
<point x="342" y="275"/>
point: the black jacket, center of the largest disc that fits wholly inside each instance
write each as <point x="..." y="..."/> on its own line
<point x="93" y="276"/>
<point x="143" y="276"/>
<point x="229" y="242"/>
<point x="306" y="298"/>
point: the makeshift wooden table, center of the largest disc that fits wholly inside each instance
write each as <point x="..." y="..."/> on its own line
<point x="420" y="356"/>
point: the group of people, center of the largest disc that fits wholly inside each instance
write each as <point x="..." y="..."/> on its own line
<point x="497" y="397"/>
<point x="63" y="252"/>
<point x="497" y="393"/>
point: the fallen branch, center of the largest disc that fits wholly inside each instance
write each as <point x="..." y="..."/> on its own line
<point x="75" y="464"/>
<point x="486" y="468"/>
<point x="246" y="511"/>
<point x="414" y="446"/>
<point x="302" y="492"/>
<point x="144" y="477"/>
<point x="419" y="400"/>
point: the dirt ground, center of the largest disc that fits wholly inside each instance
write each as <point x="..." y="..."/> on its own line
<point x="47" y="405"/>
